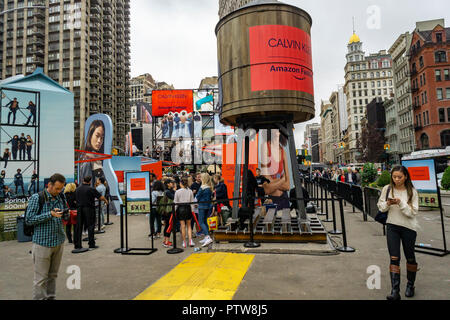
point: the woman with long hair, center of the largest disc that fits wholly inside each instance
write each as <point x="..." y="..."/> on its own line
<point x="276" y="171"/>
<point x="69" y="193"/>
<point x="204" y="196"/>
<point x="402" y="205"/>
<point x="184" y="211"/>
<point x="29" y="146"/>
<point x="94" y="143"/>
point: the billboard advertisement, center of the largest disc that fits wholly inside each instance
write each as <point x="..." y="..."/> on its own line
<point x="138" y="192"/>
<point x="95" y="156"/>
<point x="423" y="176"/>
<point x="36" y="141"/>
<point x="171" y="101"/>
<point x="280" y="58"/>
<point x="175" y="125"/>
<point x="143" y="112"/>
<point x="204" y="100"/>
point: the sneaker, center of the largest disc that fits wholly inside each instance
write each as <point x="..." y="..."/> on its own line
<point x="191" y="243"/>
<point x="167" y="244"/>
<point x="208" y="241"/>
<point x="184" y="244"/>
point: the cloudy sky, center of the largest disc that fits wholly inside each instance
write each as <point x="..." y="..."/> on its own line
<point x="174" y="40"/>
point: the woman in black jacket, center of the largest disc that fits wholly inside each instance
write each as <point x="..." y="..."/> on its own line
<point x="69" y="192"/>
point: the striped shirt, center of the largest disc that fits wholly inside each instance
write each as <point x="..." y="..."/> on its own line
<point x="48" y="230"/>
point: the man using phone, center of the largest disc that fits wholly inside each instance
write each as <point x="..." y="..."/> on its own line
<point x="48" y="237"/>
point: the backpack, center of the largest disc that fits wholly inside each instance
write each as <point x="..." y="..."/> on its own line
<point x="28" y="230"/>
<point x="165" y="206"/>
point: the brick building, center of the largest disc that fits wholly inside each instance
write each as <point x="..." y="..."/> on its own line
<point x="430" y="84"/>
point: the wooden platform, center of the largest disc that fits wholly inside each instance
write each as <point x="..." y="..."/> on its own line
<point x="282" y="226"/>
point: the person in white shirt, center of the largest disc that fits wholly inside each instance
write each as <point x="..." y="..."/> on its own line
<point x="183" y="211"/>
<point x="402" y="205"/>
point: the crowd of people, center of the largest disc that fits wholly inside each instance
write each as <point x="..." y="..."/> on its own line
<point x="348" y="175"/>
<point x="206" y="195"/>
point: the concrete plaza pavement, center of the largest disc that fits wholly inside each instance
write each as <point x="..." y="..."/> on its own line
<point x="106" y="275"/>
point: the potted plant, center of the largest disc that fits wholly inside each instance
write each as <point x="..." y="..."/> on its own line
<point x="445" y="192"/>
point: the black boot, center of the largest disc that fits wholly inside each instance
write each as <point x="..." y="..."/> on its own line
<point x="395" y="282"/>
<point x="411" y="276"/>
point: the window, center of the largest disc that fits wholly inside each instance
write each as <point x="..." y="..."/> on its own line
<point x="442" y="115"/>
<point x="446" y="75"/>
<point x="428" y="117"/>
<point x="439" y="95"/>
<point x="448" y="114"/>
<point x="440" y="56"/>
<point x="438" y="75"/>
<point x="447" y="93"/>
<point x="438" y="37"/>
<point x="421" y="62"/>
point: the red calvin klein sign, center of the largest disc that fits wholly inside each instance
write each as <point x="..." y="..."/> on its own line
<point x="280" y="58"/>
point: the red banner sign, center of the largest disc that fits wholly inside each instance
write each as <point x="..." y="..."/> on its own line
<point x="165" y="101"/>
<point x="280" y="58"/>
<point x="419" y="173"/>
<point x="137" y="184"/>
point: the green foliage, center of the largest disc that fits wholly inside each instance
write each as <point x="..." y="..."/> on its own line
<point x="384" y="179"/>
<point x="369" y="174"/>
<point x="445" y="182"/>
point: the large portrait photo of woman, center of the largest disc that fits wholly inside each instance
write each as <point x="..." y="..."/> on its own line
<point x="275" y="168"/>
<point x="97" y="134"/>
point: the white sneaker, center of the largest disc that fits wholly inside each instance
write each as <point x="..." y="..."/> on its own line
<point x="204" y="239"/>
<point x="184" y="244"/>
<point x="191" y="243"/>
<point x="208" y="241"/>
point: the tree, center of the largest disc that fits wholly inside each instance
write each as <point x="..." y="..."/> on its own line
<point x="371" y="144"/>
<point x="369" y="174"/>
<point x="445" y="182"/>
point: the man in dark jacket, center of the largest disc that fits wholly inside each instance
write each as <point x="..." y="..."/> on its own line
<point x="350" y="176"/>
<point x="85" y="197"/>
<point x="13" y="107"/>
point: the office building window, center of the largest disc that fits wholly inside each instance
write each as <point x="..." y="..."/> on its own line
<point x="440" y="56"/>
<point x="442" y="115"/>
<point x="438" y="75"/>
<point x="439" y="94"/>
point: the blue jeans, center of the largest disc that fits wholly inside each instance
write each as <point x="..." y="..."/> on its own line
<point x="202" y="220"/>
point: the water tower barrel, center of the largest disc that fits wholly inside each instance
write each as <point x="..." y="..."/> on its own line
<point x="265" y="63"/>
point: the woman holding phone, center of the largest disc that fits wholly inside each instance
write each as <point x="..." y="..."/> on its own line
<point x="400" y="199"/>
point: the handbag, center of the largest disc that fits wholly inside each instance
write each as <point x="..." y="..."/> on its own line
<point x="212" y="223"/>
<point x="381" y="217"/>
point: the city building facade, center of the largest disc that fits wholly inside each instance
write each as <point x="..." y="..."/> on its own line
<point x="402" y="139"/>
<point x="140" y="87"/>
<point x="430" y="81"/>
<point x="326" y="137"/>
<point x="366" y="78"/>
<point x="311" y="137"/>
<point x="391" y="134"/>
<point x="83" y="45"/>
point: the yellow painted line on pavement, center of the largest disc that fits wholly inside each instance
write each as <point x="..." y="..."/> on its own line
<point x="201" y="276"/>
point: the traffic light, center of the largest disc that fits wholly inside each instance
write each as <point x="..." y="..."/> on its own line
<point x="341" y="145"/>
<point x="387" y="147"/>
